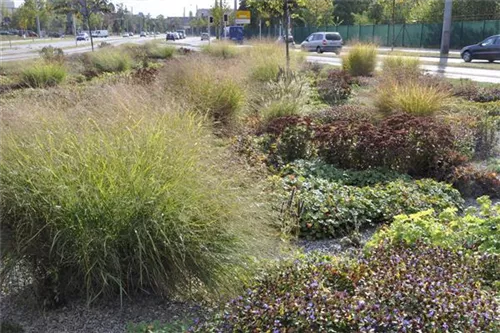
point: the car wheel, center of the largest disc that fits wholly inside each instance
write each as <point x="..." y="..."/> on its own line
<point x="491" y="60"/>
<point x="318" y="50"/>
<point x="466" y="56"/>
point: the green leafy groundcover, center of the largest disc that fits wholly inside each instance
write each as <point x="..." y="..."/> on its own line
<point x="477" y="230"/>
<point x="396" y="288"/>
<point x="324" y="208"/>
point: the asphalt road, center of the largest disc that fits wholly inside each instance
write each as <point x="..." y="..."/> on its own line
<point x="440" y="68"/>
<point x="22" y="50"/>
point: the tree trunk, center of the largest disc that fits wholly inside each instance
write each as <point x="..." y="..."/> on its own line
<point x="90" y="32"/>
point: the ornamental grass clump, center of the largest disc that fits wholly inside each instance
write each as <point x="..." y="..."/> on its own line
<point x="221" y="50"/>
<point x="115" y="192"/>
<point x="108" y="60"/>
<point x="209" y="86"/>
<point x="361" y="60"/>
<point x="410" y="97"/>
<point x="43" y="75"/>
<point x="401" y="68"/>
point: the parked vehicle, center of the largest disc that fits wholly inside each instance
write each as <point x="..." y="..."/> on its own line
<point x="205" y="36"/>
<point x="176" y="35"/>
<point x="6" y="33"/>
<point x="125" y="34"/>
<point x="30" y="33"/>
<point x="131" y="34"/>
<point x="100" y="33"/>
<point x="170" y="36"/>
<point x="82" y="36"/>
<point x="143" y="34"/>
<point x="56" y="35"/>
<point x="323" y="42"/>
<point x="182" y="33"/>
<point x="234" y="33"/>
<point x="488" y="49"/>
<point x="290" y="39"/>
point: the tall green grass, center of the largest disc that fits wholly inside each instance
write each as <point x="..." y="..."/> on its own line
<point x="361" y="60"/>
<point x="265" y="60"/>
<point x="120" y="194"/>
<point x="161" y="52"/>
<point x="404" y="64"/>
<point x="222" y="50"/>
<point x="209" y="85"/>
<point x="43" y="75"/>
<point x="109" y="60"/>
<point x="410" y="97"/>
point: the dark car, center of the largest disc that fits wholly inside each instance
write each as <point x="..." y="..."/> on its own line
<point x="56" y="35"/>
<point x="171" y="36"/>
<point x="488" y="49"/>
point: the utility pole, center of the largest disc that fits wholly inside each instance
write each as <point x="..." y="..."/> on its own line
<point x="286" y="40"/>
<point x="38" y="18"/>
<point x="221" y="21"/>
<point x="445" y="38"/>
<point x="393" y="24"/>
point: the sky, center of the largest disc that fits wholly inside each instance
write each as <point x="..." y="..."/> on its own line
<point x="167" y="7"/>
<point x="164" y="7"/>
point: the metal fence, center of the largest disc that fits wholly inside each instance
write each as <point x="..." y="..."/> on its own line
<point x="418" y="35"/>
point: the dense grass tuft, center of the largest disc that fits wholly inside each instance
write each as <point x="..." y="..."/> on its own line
<point x="266" y="60"/>
<point x="107" y="61"/>
<point x="221" y="50"/>
<point x="209" y="85"/>
<point x="43" y="75"/>
<point x="410" y="97"/>
<point x="407" y="65"/>
<point x="361" y="60"/>
<point x="119" y="195"/>
<point x="160" y="52"/>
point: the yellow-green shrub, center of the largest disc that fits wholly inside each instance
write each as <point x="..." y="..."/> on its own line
<point x="209" y="86"/>
<point x="107" y="61"/>
<point x="410" y="97"/>
<point x="118" y="191"/>
<point x="408" y="66"/>
<point x="222" y="50"/>
<point x="361" y="60"/>
<point x="43" y="75"/>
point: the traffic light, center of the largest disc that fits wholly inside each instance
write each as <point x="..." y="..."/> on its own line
<point x="225" y="18"/>
<point x="211" y="19"/>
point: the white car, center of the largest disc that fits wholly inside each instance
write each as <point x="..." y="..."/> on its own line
<point x="177" y="36"/>
<point x="125" y="34"/>
<point x="82" y="36"/>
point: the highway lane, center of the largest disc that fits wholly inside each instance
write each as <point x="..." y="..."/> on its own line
<point x="479" y="75"/>
<point x="30" y="51"/>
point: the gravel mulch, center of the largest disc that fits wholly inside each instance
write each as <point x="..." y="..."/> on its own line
<point x="338" y="246"/>
<point x="20" y="309"/>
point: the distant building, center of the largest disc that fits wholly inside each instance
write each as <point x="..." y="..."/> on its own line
<point x="7" y="4"/>
<point x="203" y="12"/>
<point x="179" y="22"/>
<point x="6" y="8"/>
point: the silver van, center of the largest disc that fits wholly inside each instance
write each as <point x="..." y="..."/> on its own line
<point x="323" y="42"/>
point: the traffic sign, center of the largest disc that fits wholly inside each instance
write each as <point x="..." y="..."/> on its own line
<point x="243" y="17"/>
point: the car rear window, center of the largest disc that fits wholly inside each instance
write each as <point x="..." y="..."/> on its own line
<point x="332" y="37"/>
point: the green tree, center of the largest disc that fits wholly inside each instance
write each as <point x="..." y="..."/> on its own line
<point x="316" y="13"/>
<point x="25" y="15"/>
<point x="344" y="10"/>
<point x="86" y="9"/>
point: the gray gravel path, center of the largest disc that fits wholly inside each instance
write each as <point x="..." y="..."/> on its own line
<point x="20" y="309"/>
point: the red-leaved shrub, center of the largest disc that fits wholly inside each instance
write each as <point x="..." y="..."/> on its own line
<point x="419" y="146"/>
